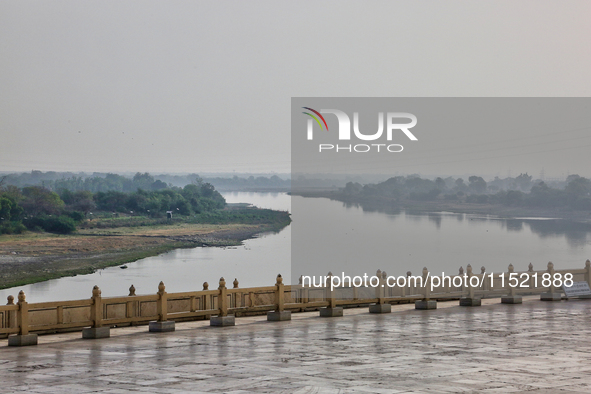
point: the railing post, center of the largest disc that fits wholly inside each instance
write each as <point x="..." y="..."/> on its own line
<point x="206" y="302"/>
<point x="332" y="310"/>
<point x="380" y="306"/>
<point x="470" y="300"/>
<point x="379" y="290"/>
<point x="162" y="324"/>
<point x="223" y="319"/>
<point x="426" y="302"/>
<point x="129" y="310"/>
<point x="304" y="294"/>
<point x="512" y="298"/>
<point x="387" y="289"/>
<point x="330" y="292"/>
<point x="162" y="303"/>
<point x="588" y="272"/>
<point x="552" y="294"/>
<point x="10" y="315"/>
<point x="279" y="314"/>
<point x="22" y="321"/>
<point x="223" y="298"/>
<point x="408" y="275"/>
<point x="96" y="311"/>
<point x="96" y="315"/>
<point x="236" y="296"/>
<point x="485" y="284"/>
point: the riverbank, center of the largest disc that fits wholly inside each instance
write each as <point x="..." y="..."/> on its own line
<point x="393" y="206"/>
<point x="35" y="257"/>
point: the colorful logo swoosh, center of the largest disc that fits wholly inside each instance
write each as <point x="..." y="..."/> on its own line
<point x="315" y="118"/>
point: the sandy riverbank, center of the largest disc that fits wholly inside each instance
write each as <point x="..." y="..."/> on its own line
<point x="35" y="257"/>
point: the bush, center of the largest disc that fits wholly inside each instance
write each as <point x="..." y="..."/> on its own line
<point x="76" y="215"/>
<point x="53" y="224"/>
<point x="12" y="228"/>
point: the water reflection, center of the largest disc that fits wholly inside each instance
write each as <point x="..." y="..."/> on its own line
<point x="576" y="233"/>
<point x="355" y="239"/>
<point x="343" y="236"/>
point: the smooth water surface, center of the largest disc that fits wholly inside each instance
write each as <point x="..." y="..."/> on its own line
<point x="344" y="238"/>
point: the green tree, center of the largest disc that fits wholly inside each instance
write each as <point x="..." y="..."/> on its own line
<point x="39" y="200"/>
<point x="477" y="184"/>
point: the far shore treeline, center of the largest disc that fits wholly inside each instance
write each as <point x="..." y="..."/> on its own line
<point x="62" y="205"/>
<point x="575" y="193"/>
<point x="102" y="182"/>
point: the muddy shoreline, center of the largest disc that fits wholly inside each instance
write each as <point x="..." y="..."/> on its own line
<point x="35" y="258"/>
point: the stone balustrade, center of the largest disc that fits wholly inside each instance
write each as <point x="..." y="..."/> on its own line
<point x="97" y="314"/>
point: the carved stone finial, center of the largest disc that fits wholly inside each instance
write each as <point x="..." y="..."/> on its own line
<point x="530" y="267"/>
<point x="329" y="273"/>
<point x="21" y="296"/>
<point x="425" y="271"/>
<point x="132" y="290"/>
<point x="550" y="265"/>
<point x="235" y="283"/>
<point x="279" y="279"/>
<point x="222" y="282"/>
<point x="408" y="273"/>
<point x="587" y="263"/>
<point x="384" y="275"/>
<point x="161" y="287"/>
<point x="511" y="268"/>
<point x="205" y="286"/>
<point x="469" y="269"/>
<point x="96" y="292"/>
<point x="482" y="269"/>
<point x="379" y="273"/>
<point x="301" y="280"/>
<point x="461" y="271"/>
<point x="10" y="300"/>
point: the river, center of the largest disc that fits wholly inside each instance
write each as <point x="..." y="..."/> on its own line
<point x="440" y="241"/>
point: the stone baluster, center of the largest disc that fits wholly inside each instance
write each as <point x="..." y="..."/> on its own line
<point x="470" y="300"/>
<point x="426" y="302"/>
<point x="512" y="298"/>
<point x="223" y="319"/>
<point x="332" y="310"/>
<point x="23" y="338"/>
<point x="279" y="314"/>
<point x="162" y="324"/>
<point x="96" y="315"/>
<point x="530" y="272"/>
<point x="129" y="310"/>
<point x="551" y="294"/>
<point x="381" y="306"/>
<point x="10" y="315"/>
<point x="485" y="282"/>
<point x="236" y="297"/>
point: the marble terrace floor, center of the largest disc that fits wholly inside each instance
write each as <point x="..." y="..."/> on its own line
<point x="538" y="347"/>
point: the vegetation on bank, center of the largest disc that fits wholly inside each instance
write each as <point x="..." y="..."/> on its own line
<point x="523" y="192"/>
<point x="62" y="210"/>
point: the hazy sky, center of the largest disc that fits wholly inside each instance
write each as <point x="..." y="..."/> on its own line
<point x="195" y="86"/>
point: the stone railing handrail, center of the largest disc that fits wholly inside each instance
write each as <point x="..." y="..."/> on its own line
<point x="23" y="318"/>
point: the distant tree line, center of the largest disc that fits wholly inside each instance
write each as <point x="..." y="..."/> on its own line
<point x="38" y="207"/>
<point x="524" y="192"/>
<point x="100" y="182"/>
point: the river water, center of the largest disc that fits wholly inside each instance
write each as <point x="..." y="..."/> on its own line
<point x="440" y="241"/>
